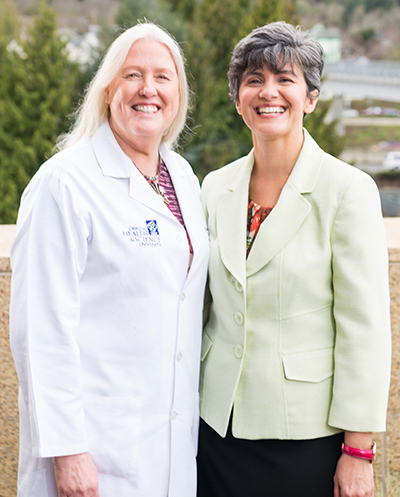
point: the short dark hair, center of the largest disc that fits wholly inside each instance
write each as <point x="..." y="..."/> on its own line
<point x="274" y="45"/>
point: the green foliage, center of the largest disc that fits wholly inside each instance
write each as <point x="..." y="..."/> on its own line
<point x="185" y="8"/>
<point x="367" y="34"/>
<point x="208" y="30"/>
<point x="36" y="88"/>
<point x="9" y="22"/>
<point x="158" y="11"/>
<point x="324" y="134"/>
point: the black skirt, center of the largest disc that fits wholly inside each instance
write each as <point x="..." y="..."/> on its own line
<point x="232" y="467"/>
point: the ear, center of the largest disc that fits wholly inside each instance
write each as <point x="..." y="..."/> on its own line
<point x="312" y="100"/>
<point x="107" y="95"/>
<point x="238" y="108"/>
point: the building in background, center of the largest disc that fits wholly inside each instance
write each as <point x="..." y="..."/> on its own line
<point x="331" y="42"/>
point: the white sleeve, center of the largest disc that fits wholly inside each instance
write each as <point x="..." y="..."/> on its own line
<point x="48" y="258"/>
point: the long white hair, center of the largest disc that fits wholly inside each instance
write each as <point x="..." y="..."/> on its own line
<point x="94" y="111"/>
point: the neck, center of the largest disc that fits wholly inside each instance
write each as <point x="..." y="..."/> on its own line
<point x="276" y="158"/>
<point x="273" y="163"/>
<point x="147" y="163"/>
<point x="143" y="154"/>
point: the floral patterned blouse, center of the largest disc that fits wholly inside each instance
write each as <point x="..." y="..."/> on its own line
<point x="255" y="216"/>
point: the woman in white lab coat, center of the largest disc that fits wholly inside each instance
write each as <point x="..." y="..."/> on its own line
<point x="109" y="267"/>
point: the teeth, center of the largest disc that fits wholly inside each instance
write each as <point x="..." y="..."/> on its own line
<point x="270" y="110"/>
<point x="149" y="109"/>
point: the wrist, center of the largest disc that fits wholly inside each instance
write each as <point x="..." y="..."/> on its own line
<point x="366" y="454"/>
<point x="360" y="440"/>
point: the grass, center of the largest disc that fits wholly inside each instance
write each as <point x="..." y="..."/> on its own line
<point x="363" y="104"/>
<point x="367" y="137"/>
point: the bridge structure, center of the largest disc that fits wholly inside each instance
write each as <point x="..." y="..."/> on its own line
<point x="362" y="78"/>
<point x="355" y="79"/>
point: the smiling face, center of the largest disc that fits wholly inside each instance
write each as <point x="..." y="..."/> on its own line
<point x="273" y="105"/>
<point x="144" y="96"/>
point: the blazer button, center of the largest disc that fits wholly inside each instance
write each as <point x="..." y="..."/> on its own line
<point x="238" y="286"/>
<point x="239" y="351"/>
<point x="239" y="318"/>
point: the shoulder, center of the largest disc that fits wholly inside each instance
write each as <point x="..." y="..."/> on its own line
<point x="220" y="179"/>
<point x="174" y="159"/>
<point x="67" y="167"/>
<point x="74" y="158"/>
<point x="345" y="177"/>
<point x="333" y="176"/>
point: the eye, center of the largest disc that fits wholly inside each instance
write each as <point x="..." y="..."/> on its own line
<point x="286" y="79"/>
<point x="253" y="80"/>
<point x="132" y="75"/>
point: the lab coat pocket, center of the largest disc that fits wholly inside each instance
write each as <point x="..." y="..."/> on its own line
<point x="113" y="425"/>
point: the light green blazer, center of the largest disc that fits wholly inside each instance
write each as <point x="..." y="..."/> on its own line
<point x="298" y="336"/>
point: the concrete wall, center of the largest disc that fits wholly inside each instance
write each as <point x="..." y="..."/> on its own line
<point x="8" y="378"/>
<point x="9" y="382"/>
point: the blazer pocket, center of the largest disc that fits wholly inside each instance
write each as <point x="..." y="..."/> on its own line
<point x="113" y="425"/>
<point x="206" y="345"/>
<point x="312" y="366"/>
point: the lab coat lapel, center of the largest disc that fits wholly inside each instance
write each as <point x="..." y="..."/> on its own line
<point x="114" y="163"/>
<point x="291" y="209"/>
<point x="231" y="218"/>
<point x="140" y="190"/>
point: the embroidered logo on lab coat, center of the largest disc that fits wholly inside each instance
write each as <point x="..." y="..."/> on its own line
<point x="152" y="227"/>
<point x="144" y="236"/>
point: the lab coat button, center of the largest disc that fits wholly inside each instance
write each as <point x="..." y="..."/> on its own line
<point x="174" y="415"/>
<point x="179" y="356"/>
<point x="239" y="318"/>
<point x="238" y="286"/>
<point x="239" y="351"/>
<point x="183" y="296"/>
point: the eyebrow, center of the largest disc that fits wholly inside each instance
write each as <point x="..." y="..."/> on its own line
<point x="257" y="72"/>
<point x="138" y="68"/>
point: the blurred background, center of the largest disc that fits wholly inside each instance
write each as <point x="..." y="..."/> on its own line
<point x="50" y="49"/>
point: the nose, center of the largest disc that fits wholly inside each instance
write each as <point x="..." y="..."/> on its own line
<point x="269" y="90"/>
<point x="147" y="87"/>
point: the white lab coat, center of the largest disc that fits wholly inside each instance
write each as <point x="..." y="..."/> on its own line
<point x="106" y="322"/>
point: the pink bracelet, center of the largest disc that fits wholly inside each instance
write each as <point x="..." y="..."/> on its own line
<point x="361" y="454"/>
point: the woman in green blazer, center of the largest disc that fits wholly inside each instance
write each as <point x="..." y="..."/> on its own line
<point x="296" y="347"/>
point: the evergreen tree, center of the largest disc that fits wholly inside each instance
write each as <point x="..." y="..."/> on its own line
<point x="324" y="134"/>
<point x="48" y="86"/>
<point x="13" y="153"/>
<point x="37" y="80"/>
<point x="158" y="11"/>
<point x="220" y="134"/>
<point x="207" y="31"/>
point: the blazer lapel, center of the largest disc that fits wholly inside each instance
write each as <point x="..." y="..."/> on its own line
<point x="291" y="209"/>
<point x="231" y="219"/>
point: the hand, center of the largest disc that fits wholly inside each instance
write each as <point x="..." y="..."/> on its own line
<point x="76" y="476"/>
<point x="354" y="477"/>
